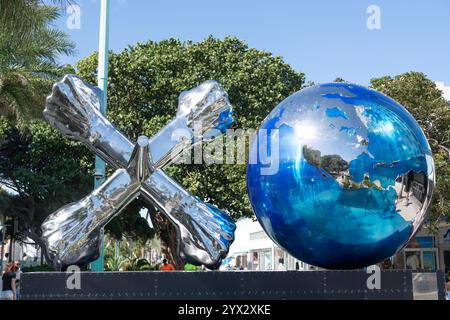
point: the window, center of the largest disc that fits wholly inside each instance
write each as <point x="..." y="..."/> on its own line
<point x="421" y="259"/>
<point x="412" y="260"/>
<point x="429" y="260"/>
<point x="422" y="242"/>
<point x="258" y="235"/>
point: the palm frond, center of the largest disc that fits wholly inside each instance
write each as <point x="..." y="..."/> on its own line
<point x="29" y="49"/>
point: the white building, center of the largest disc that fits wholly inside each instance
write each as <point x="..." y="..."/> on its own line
<point x="252" y="249"/>
<point x="27" y="253"/>
<point x="445" y="90"/>
<point x="427" y="251"/>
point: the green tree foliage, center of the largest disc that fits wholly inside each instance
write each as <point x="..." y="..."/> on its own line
<point x="29" y="46"/>
<point x="425" y="102"/>
<point x="42" y="169"/>
<point x="339" y="79"/>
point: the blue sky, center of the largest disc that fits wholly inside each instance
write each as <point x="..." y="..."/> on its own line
<point x="322" y="38"/>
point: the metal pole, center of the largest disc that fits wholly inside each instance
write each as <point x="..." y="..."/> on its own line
<point x="102" y="83"/>
<point x="2" y="239"/>
<point x="273" y="256"/>
<point x="11" y="243"/>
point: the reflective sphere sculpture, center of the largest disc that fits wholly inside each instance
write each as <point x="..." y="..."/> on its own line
<point x="351" y="176"/>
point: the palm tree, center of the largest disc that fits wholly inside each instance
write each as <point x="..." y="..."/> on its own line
<point x="29" y="48"/>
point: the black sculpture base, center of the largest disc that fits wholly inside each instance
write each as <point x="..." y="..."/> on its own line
<point x="233" y="285"/>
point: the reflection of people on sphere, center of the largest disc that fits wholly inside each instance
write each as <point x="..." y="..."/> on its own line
<point x="167" y="266"/>
<point x="9" y="282"/>
<point x="413" y="262"/>
<point x="281" y="264"/>
<point x="386" y="264"/>
<point x="413" y="243"/>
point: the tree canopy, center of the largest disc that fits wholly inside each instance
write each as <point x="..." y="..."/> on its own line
<point x="420" y="96"/>
<point x="29" y="48"/>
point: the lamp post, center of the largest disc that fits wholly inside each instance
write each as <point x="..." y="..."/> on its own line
<point x="102" y="83"/>
<point x="2" y="239"/>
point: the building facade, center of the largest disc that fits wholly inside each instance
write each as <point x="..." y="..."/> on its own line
<point x="427" y="251"/>
<point x="254" y="250"/>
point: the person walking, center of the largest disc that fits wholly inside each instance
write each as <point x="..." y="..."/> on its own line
<point x="19" y="272"/>
<point x="447" y="285"/>
<point x="167" y="266"/>
<point x="9" y="282"/>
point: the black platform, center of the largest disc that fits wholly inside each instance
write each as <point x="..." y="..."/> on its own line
<point x="234" y="285"/>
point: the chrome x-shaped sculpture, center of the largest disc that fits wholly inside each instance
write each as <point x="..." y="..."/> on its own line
<point x="71" y="235"/>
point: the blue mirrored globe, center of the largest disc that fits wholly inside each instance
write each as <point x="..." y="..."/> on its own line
<point x="340" y="176"/>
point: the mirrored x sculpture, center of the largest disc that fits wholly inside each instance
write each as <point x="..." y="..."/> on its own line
<point x="71" y="235"/>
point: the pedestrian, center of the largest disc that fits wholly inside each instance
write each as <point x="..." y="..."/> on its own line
<point x="447" y="285"/>
<point x="19" y="272"/>
<point x="281" y="264"/>
<point x="9" y="282"/>
<point x="167" y="266"/>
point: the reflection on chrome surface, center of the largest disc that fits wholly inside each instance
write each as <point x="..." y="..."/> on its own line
<point x="71" y="234"/>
